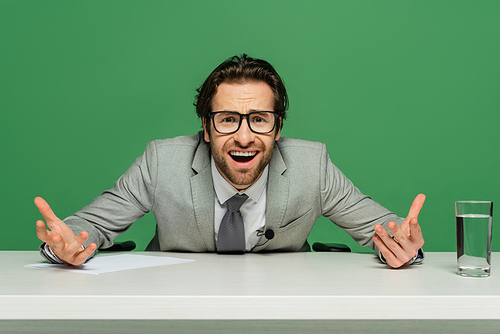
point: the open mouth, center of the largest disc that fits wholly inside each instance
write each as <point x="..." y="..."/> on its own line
<point x="242" y="157"/>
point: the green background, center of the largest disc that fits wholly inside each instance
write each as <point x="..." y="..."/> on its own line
<point x="404" y="93"/>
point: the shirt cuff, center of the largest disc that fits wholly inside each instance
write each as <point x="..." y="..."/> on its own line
<point x="417" y="259"/>
<point x="47" y="253"/>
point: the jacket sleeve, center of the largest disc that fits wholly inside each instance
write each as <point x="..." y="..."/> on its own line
<point x="347" y="207"/>
<point x="114" y="211"/>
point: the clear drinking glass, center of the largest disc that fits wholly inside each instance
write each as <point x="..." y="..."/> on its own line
<point x="474" y="225"/>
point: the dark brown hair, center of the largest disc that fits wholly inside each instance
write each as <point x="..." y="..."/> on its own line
<point x="241" y="69"/>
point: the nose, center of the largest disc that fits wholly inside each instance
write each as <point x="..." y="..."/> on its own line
<point x="244" y="136"/>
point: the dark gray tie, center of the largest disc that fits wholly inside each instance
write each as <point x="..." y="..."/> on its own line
<point x="231" y="236"/>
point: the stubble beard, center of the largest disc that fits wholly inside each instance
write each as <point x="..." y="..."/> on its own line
<point x="244" y="177"/>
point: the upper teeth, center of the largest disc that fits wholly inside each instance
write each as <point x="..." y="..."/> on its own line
<point x="243" y="154"/>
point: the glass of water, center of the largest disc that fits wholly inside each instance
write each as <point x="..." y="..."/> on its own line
<point x="474" y="222"/>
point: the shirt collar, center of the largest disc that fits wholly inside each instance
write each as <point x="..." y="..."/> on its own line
<point x="224" y="190"/>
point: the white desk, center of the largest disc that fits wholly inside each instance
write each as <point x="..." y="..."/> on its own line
<point x="278" y="292"/>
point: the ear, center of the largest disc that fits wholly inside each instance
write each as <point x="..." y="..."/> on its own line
<point x="206" y="131"/>
<point x="278" y="131"/>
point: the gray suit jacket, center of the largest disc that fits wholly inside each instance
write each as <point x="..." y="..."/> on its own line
<point x="173" y="180"/>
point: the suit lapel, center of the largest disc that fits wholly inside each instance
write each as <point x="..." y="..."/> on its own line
<point x="277" y="196"/>
<point x="202" y="191"/>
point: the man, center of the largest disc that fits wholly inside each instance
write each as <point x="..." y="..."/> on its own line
<point x="225" y="187"/>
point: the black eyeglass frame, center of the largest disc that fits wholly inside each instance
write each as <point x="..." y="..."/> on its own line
<point x="242" y="116"/>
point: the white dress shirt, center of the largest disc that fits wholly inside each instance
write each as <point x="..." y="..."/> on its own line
<point x="253" y="210"/>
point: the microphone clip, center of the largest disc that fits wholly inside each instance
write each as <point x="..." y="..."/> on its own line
<point x="268" y="234"/>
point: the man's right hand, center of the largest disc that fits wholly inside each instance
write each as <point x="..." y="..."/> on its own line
<point x="61" y="238"/>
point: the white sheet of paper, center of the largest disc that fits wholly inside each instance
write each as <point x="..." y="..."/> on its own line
<point x="112" y="263"/>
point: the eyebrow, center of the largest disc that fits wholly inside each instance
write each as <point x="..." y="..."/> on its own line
<point x="250" y="110"/>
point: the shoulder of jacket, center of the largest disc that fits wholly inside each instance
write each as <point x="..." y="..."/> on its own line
<point x="285" y="142"/>
<point x="189" y="141"/>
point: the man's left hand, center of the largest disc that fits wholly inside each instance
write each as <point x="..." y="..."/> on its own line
<point x="407" y="239"/>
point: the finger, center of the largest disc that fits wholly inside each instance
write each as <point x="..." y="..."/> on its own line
<point x="58" y="245"/>
<point x="416" y="206"/>
<point x="416" y="232"/>
<point x="405" y="227"/>
<point x="46" y="211"/>
<point x="53" y="222"/>
<point x="383" y="234"/>
<point x="392" y="245"/>
<point x="81" y="257"/>
<point x="41" y="231"/>
<point x="399" y="235"/>
<point x="389" y="256"/>
<point x="410" y="244"/>
<point x="77" y="244"/>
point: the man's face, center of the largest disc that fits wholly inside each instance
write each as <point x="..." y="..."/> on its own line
<point x="241" y="157"/>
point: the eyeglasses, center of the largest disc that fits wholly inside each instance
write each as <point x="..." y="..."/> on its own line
<point x="226" y="122"/>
